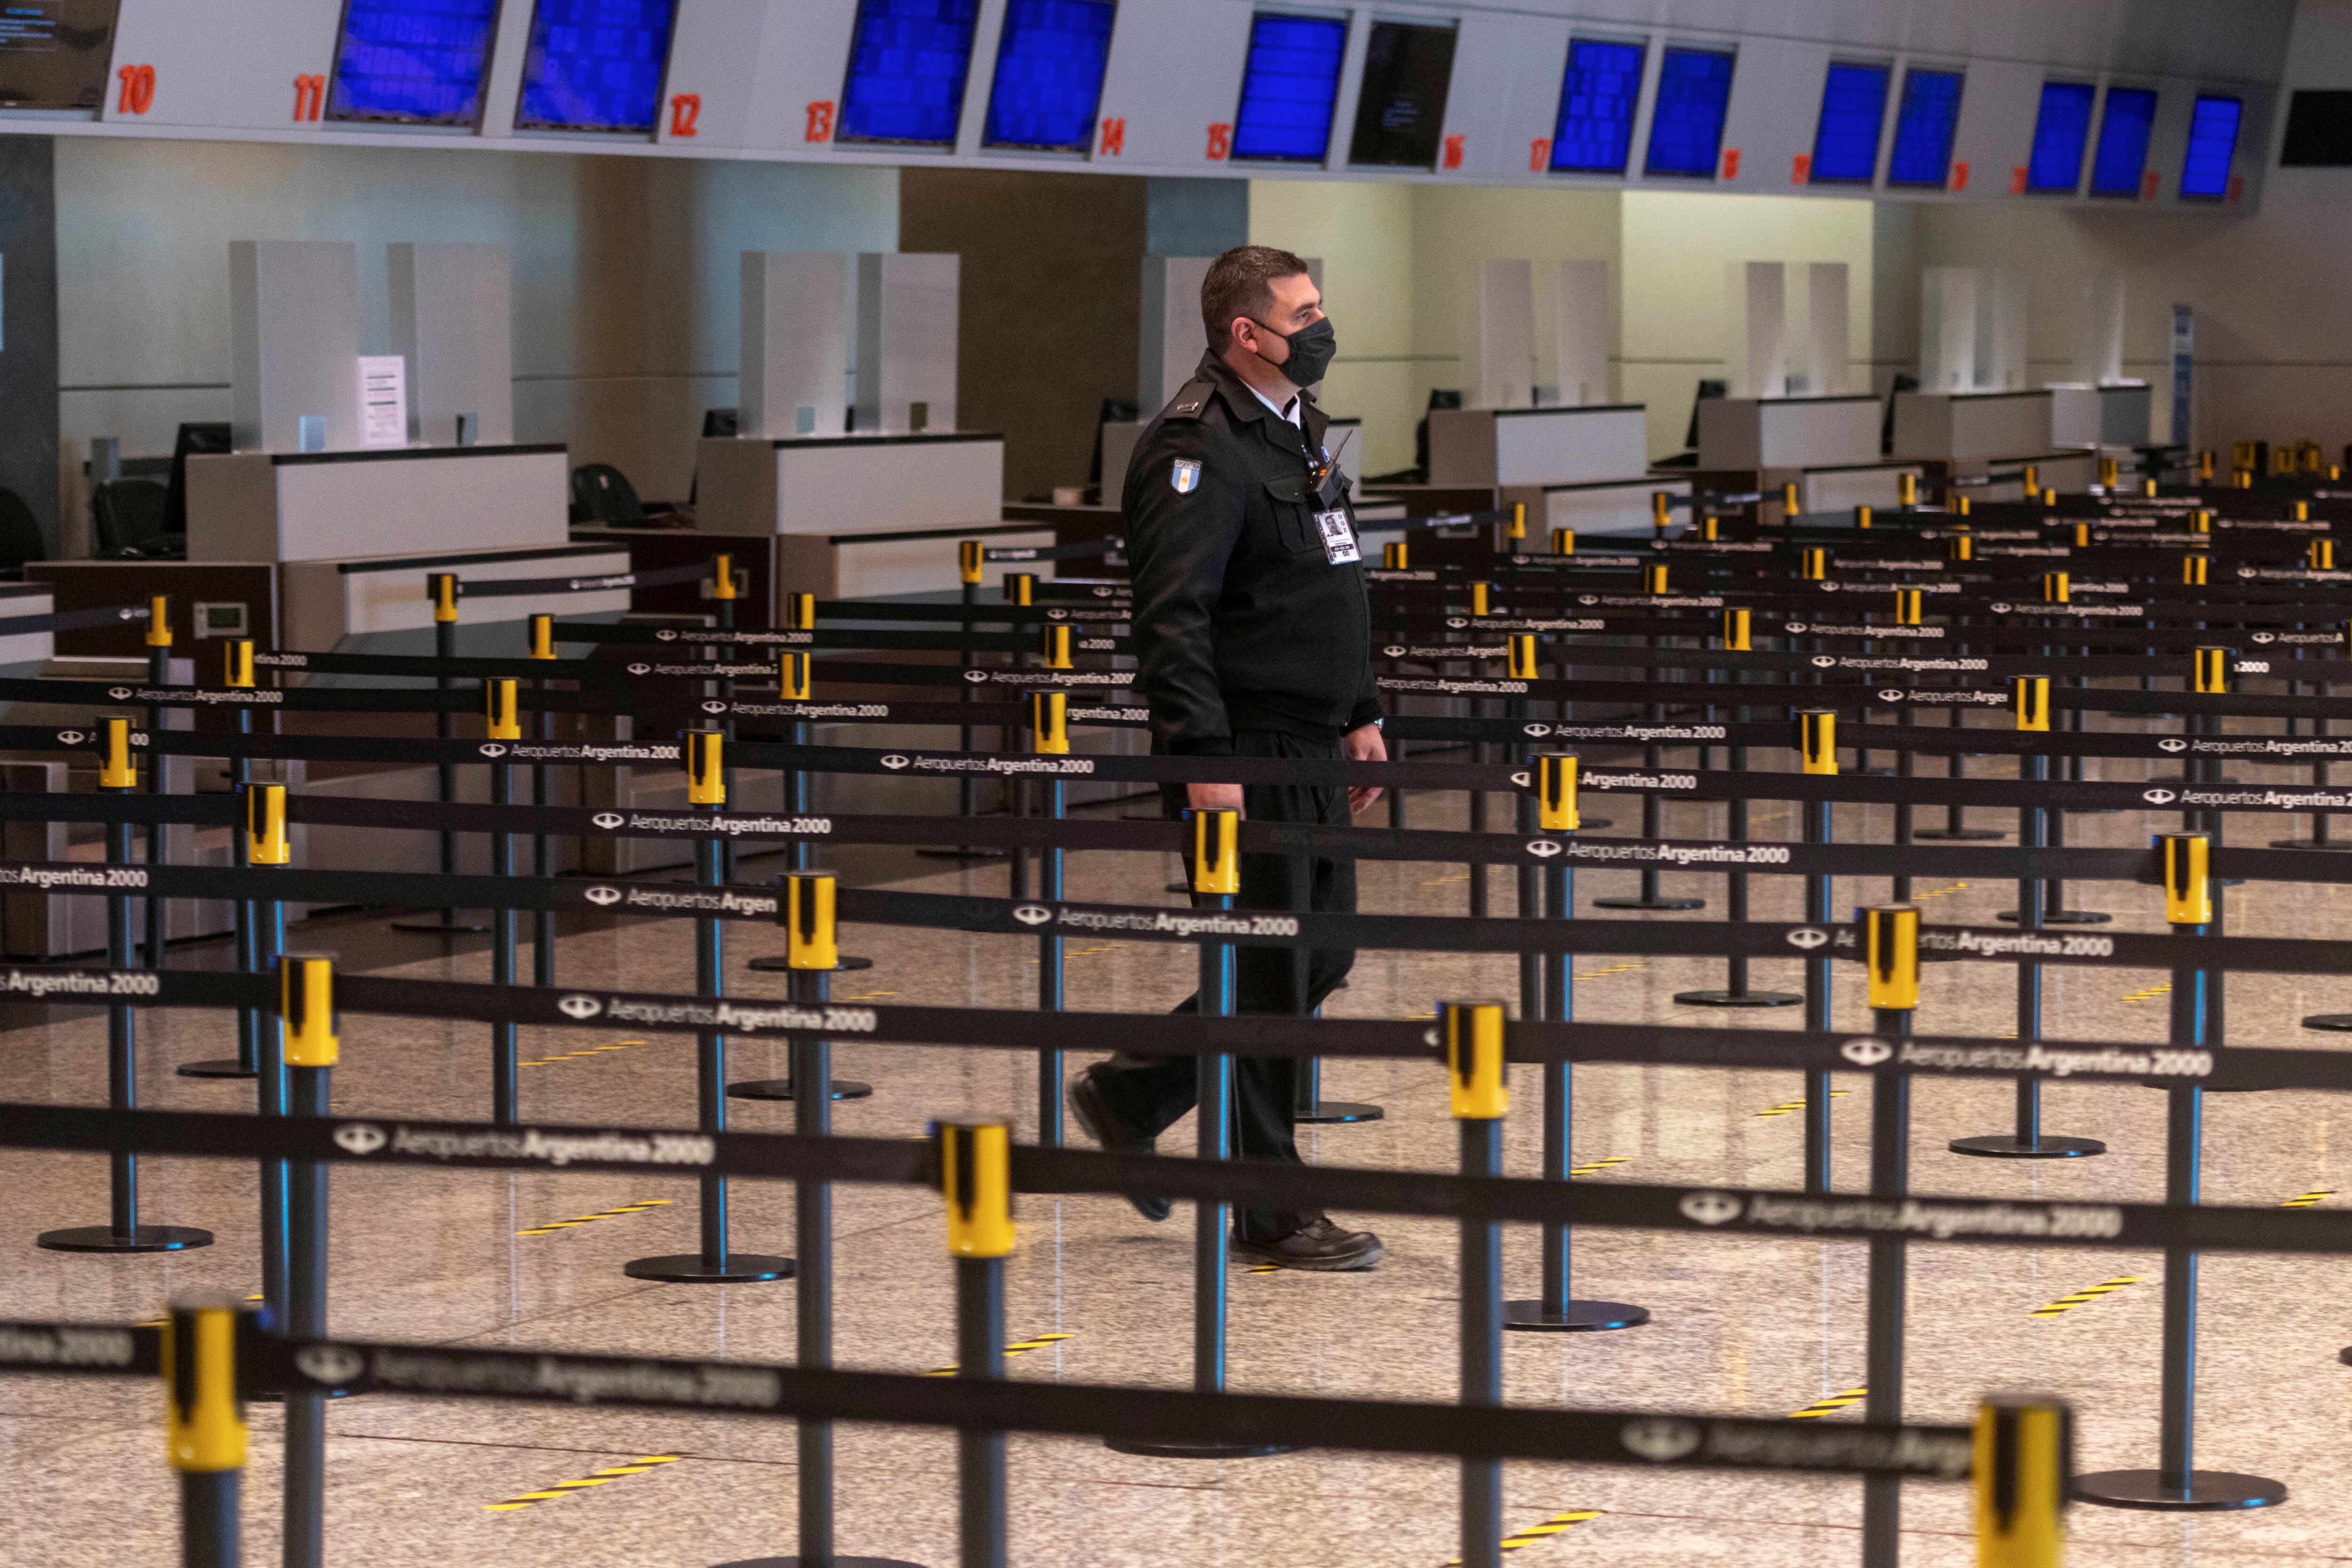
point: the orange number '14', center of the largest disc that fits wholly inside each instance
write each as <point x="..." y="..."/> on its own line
<point x="685" y="112"/>
<point x="138" y="95"/>
<point x="310" y="97"/>
<point x="1114" y="137"/>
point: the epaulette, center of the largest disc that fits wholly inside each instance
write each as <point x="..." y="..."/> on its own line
<point x="1190" y="399"/>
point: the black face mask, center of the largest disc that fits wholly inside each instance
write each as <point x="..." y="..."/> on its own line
<point x="1311" y="348"/>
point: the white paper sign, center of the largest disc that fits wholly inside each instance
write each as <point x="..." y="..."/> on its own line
<point x="384" y="400"/>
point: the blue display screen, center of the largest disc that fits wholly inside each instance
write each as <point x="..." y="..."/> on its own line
<point x="2060" y="131"/>
<point x="1924" y="123"/>
<point x="2212" y="147"/>
<point x="1049" y="74"/>
<point x="416" y="61"/>
<point x="1594" y="133"/>
<point x="907" y="62"/>
<point x="2123" y="141"/>
<point x="1291" y="87"/>
<point x="595" y="65"/>
<point x="1686" y="122"/>
<point x="1854" y="110"/>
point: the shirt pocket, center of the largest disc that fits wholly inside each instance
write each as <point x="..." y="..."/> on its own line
<point x="1292" y="508"/>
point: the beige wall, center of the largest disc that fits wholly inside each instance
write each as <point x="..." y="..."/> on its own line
<point x="624" y="276"/>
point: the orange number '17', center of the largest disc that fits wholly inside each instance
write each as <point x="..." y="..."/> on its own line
<point x="685" y="112"/>
<point x="138" y="95"/>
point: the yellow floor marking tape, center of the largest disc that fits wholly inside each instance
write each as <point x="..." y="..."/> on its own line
<point x="1830" y="1407"/>
<point x="1534" y="1533"/>
<point x="1940" y="892"/>
<point x="2086" y="1296"/>
<point x="587" y="1051"/>
<point x="1018" y="1347"/>
<point x="2307" y="1199"/>
<point x="601" y="1478"/>
<point x="1789" y="1107"/>
<point x="554" y="1225"/>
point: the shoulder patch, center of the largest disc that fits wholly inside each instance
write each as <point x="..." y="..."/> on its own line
<point x="1184" y="476"/>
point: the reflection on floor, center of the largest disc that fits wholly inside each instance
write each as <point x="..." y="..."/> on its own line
<point x="1764" y="1327"/>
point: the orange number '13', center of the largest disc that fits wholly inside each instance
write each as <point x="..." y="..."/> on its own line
<point x="685" y="112"/>
<point x="820" y="120"/>
<point x="138" y="95"/>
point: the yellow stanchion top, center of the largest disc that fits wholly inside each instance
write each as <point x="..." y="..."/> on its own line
<point x="2033" y="481"/>
<point x="1706" y="527"/>
<point x="1817" y="739"/>
<point x="2082" y="536"/>
<point x="2148" y="487"/>
<point x="795" y="672"/>
<point x="1481" y="599"/>
<point x="1393" y="556"/>
<point x="1216" y="860"/>
<point x="1960" y="505"/>
<point x="1735" y="636"/>
<point x="1654" y="580"/>
<point x="266" y="842"/>
<point x="976" y="1178"/>
<point x="1907" y="490"/>
<point x="2201" y="521"/>
<point x="2322" y="554"/>
<point x="1660" y="514"/>
<point x="116" y="768"/>
<point x="1964" y="547"/>
<point x="2205" y="464"/>
<point x="1521" y="650"/>
<point x="1788" y="501"/>
<point x="1556" y="791"/>
<point x="542" y="637"/>
<point x="237" y="664"/>
<point x="705" y="767"/>
<point x="1020" y="588"/>
<point x="1563" y="542"/>
<point x="1813" y="564"/>
<point x="2301" y="512"/>
<point x="502" y="708"/>
<point x="969" y="561"/>
<point x="2193" y="570"/>
<point x="1049" y="723"/>
<point x="1861" y="517"/>
<point x="800" y="612"/>
<point x="1891" y="943"/>
<point x="306" y="1004"/>
<point x="1910" y="605"/>
<point x="810" y="938"/>
<point x="2023" y="1473"/>
<point x="2212" y="669"/>
<point x="443" y="586"/>
<point x="1473" y="1060"/>
<point x="203" y="1421"/>
<point x="2188" y="885"/>
<point x="2028" y="702"/>
<point x="158" y="621"/>
<point x="1518" y="528"/>
<point x="1054" y="643"/>
<point x="2055" y="586"/>
<point x="723" y="576"/>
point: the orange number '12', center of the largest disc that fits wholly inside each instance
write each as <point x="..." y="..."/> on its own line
<point x="310" y="97"/>
<point x="138" y="93"/>
<point x="820" y="120"/>
<point x="685" y="112"/>
<point x="1731" y="162"/>
<point x="1538" y="154"/>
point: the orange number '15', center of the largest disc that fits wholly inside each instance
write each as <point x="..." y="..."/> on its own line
<point x="138" y="95"/>
<point x="820" y="120"/>
<point x="685" y="110"/>
<point x="1221" y="141"/>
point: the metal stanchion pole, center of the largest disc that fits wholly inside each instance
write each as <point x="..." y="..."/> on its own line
<point x="236" y="675"/>
<point x="971" y="562"/>
<point x="1049" y="724"/>
<point x="542" y="847"/>
<point x="118" y="778"/>
<point x="2175" y="1484"/>
<point x="261" y="819"/>
<point x="1817" y="751"/>
<point x="1956" y="828"/>
<point x="975" y="1168"/>
<point x="1891" y="935"/>
<point x="1473" y="1057"/>
<point x="203" y="1427"/>
<point x="1653" y="809"/>
<point x="716" y="1263"/>
<point x="159" y="674"/>
<point x="1557" y="1310"/>
<point x="443" y="589"/>
<point x="2023" y="1477"/>
<point x="2030" y="702"/>
<point x="503" y="724"/>
<point x="306" y="1006"/>
<point x="1217" y="878"/>
<point x="1736" y="993"/>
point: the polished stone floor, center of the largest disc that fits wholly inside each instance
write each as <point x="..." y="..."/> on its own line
<point x="1757" y="1327"/>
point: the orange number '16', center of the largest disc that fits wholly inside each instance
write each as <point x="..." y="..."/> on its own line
<point x="1221" y="141"/>
<point x="685" y="110"/>
<point x="138" y="93"/>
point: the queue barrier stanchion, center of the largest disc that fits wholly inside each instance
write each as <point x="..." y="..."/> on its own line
<point x="1049" y="728"/>
<point x="1956" y="828"/>
<point x="1481" y="1096"/>
<point x="305" y="1008"/>
<point x="976" y="1178"/>
<point x="703" y="752"/>
<point x="2029" y="705"/>
<point x="1557" y="1310"/>
<point x="203" y="1427"/>
<point x="2177" y="1484"/>
<point x="1736" y="637"/>
<point x="1817" y="754"/>
<point x="971" y="569"/>
<point x="1890" y="957"/>
<point x="1653" y="581"/>
<point x="118" y="775"/>
<point x="542" y="846"/>
<point x="443" y="589"/>
<point x="722" y="599"/>
<point x="262" y="830"/>
<point x="502" y="716"/>
<point x="236" y="675"/>
<point x="814" y="950"/>
<point x="2023" y="1478"/>
<point x="1217" y="878"/>
<point x="159" y="673"/>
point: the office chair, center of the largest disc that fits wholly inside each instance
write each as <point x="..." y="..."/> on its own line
<point x="130" y="516"/>
<point x="20" y="536"/>
<point x="602" y="494"/>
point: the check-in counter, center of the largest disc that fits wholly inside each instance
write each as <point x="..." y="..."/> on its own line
<point x="1764" y="433"/>
<point x="332" y="506"/>
<point x="22" y="654"/>
<point x="384" y="604"/>
<point x="1966" y="427"/>
<point x="1585" y="445"/>
<point x="1615" y="507"/>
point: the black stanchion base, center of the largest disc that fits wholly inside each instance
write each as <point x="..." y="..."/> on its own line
<point x="974" y="853"/>
<point x="685" y="1268"/>
<point x="782" y="1088"/>
<point x="143" y="1238"/>
<point x="2310" y="843"/>
<point x="2209" y="1492"/>
<point x="2063" y="917"/>
<point x="2334" y="1023"/>
<point x="1956" y="835"/>
<point x="219" y="1066"/>
<point x="1198" y="1450"/>
<point x="1581" y="1317"/>
<point x="1331" y="1113"/>
<point x="2009" y="1148"/>
<point x="775" y="963"/>
<point x="1736" y="998"/>
<point x="438" y="928"/>
<point x="1638" y="902"/>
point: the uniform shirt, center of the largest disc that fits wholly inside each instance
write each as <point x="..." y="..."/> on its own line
<point x="1242" y="620"/>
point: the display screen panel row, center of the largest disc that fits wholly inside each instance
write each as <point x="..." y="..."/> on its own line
<point x="591" y="66"/>
<point x="1601" y="91"/>
<point x="2118" y="157"/>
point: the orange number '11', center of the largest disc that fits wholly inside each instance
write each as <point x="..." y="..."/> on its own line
<point x="310" y="97"/>
<point x="138" y="95"/>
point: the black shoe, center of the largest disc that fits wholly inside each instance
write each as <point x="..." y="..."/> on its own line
<point x="1318" y="1246"/>
<point x="1102" y="1124"/>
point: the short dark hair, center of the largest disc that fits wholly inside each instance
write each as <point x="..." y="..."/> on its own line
<point x="1237" y="285"/>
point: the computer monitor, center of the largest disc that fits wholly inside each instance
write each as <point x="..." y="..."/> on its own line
<point x="54" y="54"/>
<point x="413" y="62"/>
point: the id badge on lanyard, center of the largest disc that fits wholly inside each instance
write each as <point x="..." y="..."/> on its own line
<point x="1339" y="539"/>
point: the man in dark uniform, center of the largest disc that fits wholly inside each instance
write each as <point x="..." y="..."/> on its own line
<point x="1252" y="639"/>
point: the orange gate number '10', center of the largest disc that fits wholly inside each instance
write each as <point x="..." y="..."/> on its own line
<point x="138" y="93"/>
